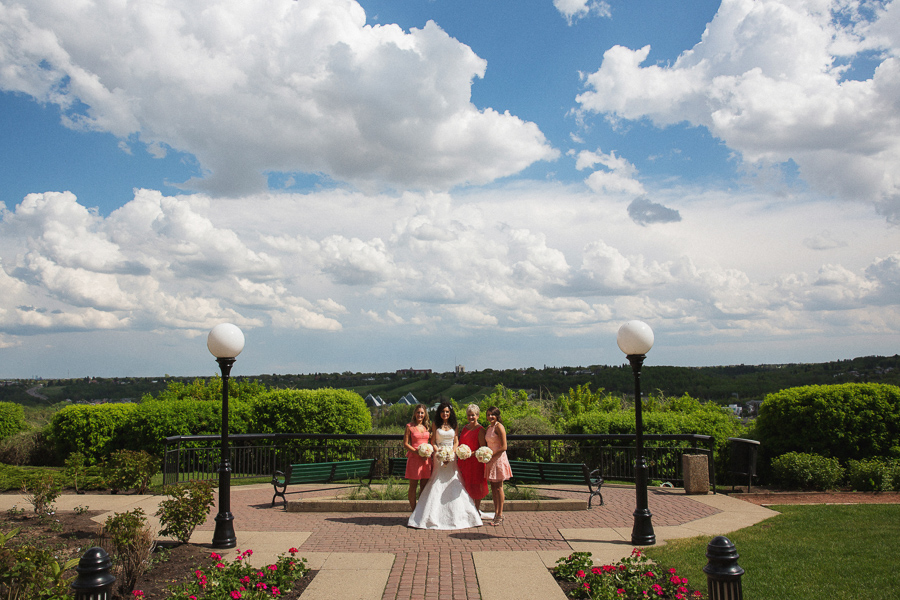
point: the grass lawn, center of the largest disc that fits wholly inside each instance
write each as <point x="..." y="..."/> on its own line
<point x="819" y="551"/>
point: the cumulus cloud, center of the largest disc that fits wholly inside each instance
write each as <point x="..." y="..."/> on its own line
<point x="573" y="10"/>
<point x="499" y="263"/>
<point x="769" y="79"/>
<point x="279" y="86"/>
<point x="644" y="212"/>
<point x="618" y="177"/>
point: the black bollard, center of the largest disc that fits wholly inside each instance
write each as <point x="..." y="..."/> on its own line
<point x="94" y="581"/>
<point x="723" y="574"/>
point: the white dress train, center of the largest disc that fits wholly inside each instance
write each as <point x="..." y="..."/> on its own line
<point x="444" y="503"/>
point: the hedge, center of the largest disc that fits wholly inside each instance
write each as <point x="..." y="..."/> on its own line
<point x="846" y="421"/>
<point x="12" y="419"/>
<point x="87" y="428"/>
<point x="324" y="410"/>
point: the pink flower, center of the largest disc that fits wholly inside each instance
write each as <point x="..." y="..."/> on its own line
<point x="261" y="586"/>
<point x="235" y="594"/>
<point x="580" y="574"/>
<point x="679" y="596"/>
<point x="198" y="573"/>
<point x="649" y="574"/>
<point x="260" y="574"/>
<point x="683" y="590"/>
<point x="636" y="552"/>
<point x="215" y="556"/>
<point x="596" y="570"/>
<point x="697" y="593"/>
<point x="675" y="580"/>
<point x="245" y="579"/>
<point x="220" y="565"/>
<point x="620" y="591"/>
<point x="586" y="585"/>
<point x="275" y="591"/>
<point x="138" y="593"/>
<point x="272" y="567"/>
<point x="293" y="551"/>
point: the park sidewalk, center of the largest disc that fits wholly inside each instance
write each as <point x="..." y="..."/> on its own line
<point x="376" y="556"/>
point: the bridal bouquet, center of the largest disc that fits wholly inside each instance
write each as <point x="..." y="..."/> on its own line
<point x="425" y="450"/>
<point x="484" y="454"/>
<point x="463" y="452"/>
<point x="445" y="454"/>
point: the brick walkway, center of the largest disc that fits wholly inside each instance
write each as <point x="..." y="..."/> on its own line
<point x="431" y="564"/>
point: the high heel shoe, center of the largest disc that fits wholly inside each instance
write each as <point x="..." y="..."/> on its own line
<point x="497" y="521"/>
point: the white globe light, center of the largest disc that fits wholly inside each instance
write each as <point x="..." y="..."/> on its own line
<point x="225" y="340"/>
<point x="635" y="337"/>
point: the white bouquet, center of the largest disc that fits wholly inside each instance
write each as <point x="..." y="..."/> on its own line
<point x="445" y="454"/>
<point x="463" y="452"/>
<point x="425" y="450"/>
<point x="484" y="454"/>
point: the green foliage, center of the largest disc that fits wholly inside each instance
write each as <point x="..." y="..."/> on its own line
<point x="88" y="429"/>
<point x="154" y="420"/>
<point x="32" y="572"/>
<point x="132" y="542"/>
<point x="126" y="469"/>
<point x="582" y="400"/>
<point x="186" y="507"/>
<point x="664" y="418"/>
<point x="311" y="411"/>
<point x="42" y="493"/>
<point x="75" y="467"/>
<point x="512" y="404"/>
<point x="847" y="421"/>
<point x="797" y="470"/>
<point x="391" y="490"/>
<point x="209" y="390"/>
<point x="874" y="475"/>
<point x="223" y="580"/>
<point x="12" y="419"/>
<point x="26" y="448"/>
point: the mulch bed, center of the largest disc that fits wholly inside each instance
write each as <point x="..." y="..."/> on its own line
<point x="768" y="497"/>
<point x="69" y="535"/>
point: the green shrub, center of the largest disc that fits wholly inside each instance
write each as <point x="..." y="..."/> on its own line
<point x="126" y="469"/>
<point x="88" y="429"/>
<point x="797" y="470"/>
<point x="12" y="419"/>
<point x="32" y="572"/>
<point x="847" y="421"/>
<point x="512" y="404"/>
<point x="324" y="410"/>
<point x="27" y="448"/>
<point x="154" y="420"/>
<point x="42" y="493"/>
<point x="874" y="475"/>
<point x="239" y="390"/>
<point x="187" y="506"/>
<point x="75" y="467"/>
<point x="132" y="544"/>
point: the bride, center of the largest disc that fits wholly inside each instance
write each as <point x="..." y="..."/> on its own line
<point x="444" y="503"/>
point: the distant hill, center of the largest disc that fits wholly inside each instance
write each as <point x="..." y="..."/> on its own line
<point x="735" y="383"/>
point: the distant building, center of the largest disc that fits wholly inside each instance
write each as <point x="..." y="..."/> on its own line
<point x="412" y="371"/>
<point x="459" y="369"/>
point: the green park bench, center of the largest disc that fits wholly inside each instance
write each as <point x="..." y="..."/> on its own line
<point x="397" y="467"/>
<point x="326" y="472"/>
<point x="549" y="473"/>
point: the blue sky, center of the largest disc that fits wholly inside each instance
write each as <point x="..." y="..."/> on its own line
<point x="375" y="185"/>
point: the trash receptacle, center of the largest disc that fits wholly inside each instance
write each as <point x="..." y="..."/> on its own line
<point x="743" y="460"/>
<point x="696" y="473"/>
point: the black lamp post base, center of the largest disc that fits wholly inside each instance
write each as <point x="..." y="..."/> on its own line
<point x="224" y="536"/>
<point x="642" y="534"/>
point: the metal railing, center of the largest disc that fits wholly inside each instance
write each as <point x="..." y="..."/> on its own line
<point x="254" y="455"/>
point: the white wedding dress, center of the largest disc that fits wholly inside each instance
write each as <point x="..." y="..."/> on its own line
<point x="444" y="503"/>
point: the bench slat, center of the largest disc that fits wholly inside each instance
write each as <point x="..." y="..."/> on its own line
<point x="321" y="473"/>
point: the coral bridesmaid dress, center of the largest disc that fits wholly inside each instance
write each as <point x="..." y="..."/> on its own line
<point x="416" y="466"/>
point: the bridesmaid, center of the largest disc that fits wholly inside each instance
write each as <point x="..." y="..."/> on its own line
<point x="470" y="470"/>
<point x="418" y="469"/>
<point x="497" y="470"/>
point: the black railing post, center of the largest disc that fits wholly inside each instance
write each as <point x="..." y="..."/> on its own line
<point x="94" y="581"/>
<point x="723" y="574"/>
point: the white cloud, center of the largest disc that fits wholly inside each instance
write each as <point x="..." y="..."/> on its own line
<point x="273" y="86"/>
<point x="618" y="178"/>
<point x="573" y="10"/>
<point x="546" y="261"/>
<point x="767" y="77"/>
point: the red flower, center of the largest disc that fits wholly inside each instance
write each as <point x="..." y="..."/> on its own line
<point x="215" y="556"/>
<point x="596" y="570"/>
<point x="220" y="565"/>
<point x="586" y="585"/>
<point x="293" y="551"/>
<point x="272" y="567"/>
<point x="138" y="593"/>
<point x="672" y="571"/>
<point x="620" y="591"/>
<point x="580" y="574"/>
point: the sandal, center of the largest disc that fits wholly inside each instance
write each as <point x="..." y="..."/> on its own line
<point x="497" y="521"/>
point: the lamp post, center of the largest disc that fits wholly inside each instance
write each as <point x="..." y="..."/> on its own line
<point x="225" y="342"/>
<point x="635" y="338"/>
